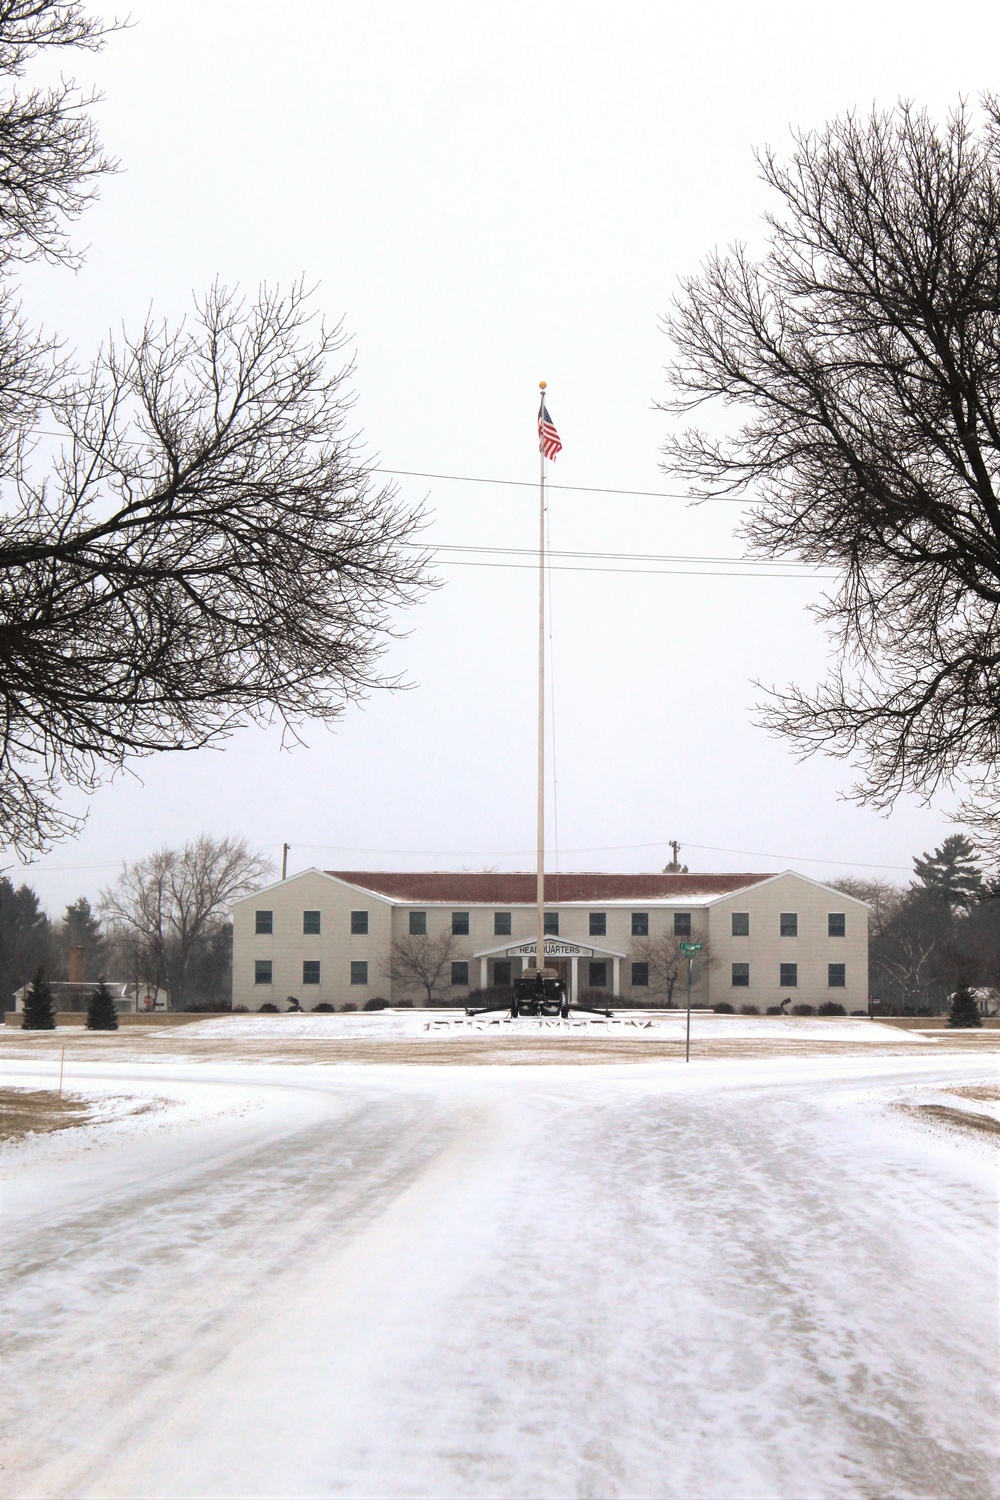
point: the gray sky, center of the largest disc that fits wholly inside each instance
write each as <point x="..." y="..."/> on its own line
<point x="489" y="196"/>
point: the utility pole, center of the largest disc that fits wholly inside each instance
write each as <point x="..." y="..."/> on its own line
<point x="284" y="860"/>
<point x="676" y="850"/>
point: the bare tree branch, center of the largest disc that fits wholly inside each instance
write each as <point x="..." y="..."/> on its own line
<point x="864" y="354"/>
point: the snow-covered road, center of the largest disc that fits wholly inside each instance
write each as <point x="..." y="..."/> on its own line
<point x="747" y="1279"/>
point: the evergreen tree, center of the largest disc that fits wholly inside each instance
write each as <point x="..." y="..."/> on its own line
<point x="964" y="1010"/>
<point x="81" y="929"/>
<point x="39" y="1012"/>
<point x="951" y="873"/>
<point x="101" y="1012"/>
<point x="25" y="939"/>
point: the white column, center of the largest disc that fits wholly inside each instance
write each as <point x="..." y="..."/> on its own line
<point x="482" y="973"/>
<point x="616" y="964"/>
<point x="574" y="979"/>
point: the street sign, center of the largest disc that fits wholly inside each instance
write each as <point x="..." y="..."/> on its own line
<point x="691" y="947"/>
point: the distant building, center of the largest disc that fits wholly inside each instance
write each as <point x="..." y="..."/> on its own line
<point x="74" y="995"/>
<point x="327" y="935"/>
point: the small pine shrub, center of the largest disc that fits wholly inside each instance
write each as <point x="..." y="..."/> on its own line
<point x="349" y="1006"/>
<point x="749" y="1010"/>
<point x="240" y="1010"/>
<point x="324" y="1006"/>
<point x="101" y="1012"/>
<point x="404" y="1004"/>
<point x="268" y="1009"/>
<point x="39" y="1012"/>
<point x="803" y="1010"/>
<point x="725" y="1009"/>
<point x="376" y="1004"/>
<point x="831" y="1008"/>
<point x="859" y="1012"/>
<point x="964" y="1010"/>
<point x="773" y="1010"/>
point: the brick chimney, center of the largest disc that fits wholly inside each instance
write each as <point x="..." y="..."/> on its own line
<point x="77" y="964"/>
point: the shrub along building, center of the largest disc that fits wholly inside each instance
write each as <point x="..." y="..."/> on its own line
<point x="332" y="937"/>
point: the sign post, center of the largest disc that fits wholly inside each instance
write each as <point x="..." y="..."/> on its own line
<point x="690" y="949"/>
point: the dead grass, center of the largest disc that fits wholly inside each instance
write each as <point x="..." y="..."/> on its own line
<point x="958" y="1118"/>
<point x="24" y="1111"/>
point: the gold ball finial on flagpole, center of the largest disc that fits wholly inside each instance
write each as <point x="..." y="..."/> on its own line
<point x="542" y="384"/>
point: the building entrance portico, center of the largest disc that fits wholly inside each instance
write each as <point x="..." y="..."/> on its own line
<point x="560" y="953"/>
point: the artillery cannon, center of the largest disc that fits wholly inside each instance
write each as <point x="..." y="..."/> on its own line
<point x="539" y="993"/>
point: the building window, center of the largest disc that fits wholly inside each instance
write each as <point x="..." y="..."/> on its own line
<point x="359" y="924"/>
<point x="418" y="923"/>
<point x="836" y="924"/>
<point x="310" y="923"/>
<point x="310" y="971"/>
<point x="682" y="924"/>
<point x="741" y="924"/>
<point x="836" y="976"/>
<point x="789" y="979"/>
<point x="551" y="924"/>
<point x="598" y="974"/>
<point x="789" y="924"/>
<point x="263" y="921"/>
<point x="262" y="971"/>
<point x="501" y="970"/>
<point x="741" y="976"/>
<point x="598" y="924"/>
<point x="359" y="971"/>
<point x="501" y="924"/>
<point x="640" y="975"/>
<point x="460" y="923"/>
<point x="459" y="972"/>
<point x="640" y="924"/>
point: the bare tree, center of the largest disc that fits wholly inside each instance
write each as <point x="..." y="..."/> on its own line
<point x="667" y="962"/>
<point x="863" y="354"/>
<point x="422" y="961"/>
<point x="202" y="545"/>
<point x="177" y="899"/>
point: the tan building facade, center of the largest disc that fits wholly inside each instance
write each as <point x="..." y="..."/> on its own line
<point x="329" y="937"/>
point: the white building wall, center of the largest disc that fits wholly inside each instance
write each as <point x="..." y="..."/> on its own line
<point x="335" y="947"/>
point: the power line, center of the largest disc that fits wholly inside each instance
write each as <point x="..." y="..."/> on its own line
<point x="750" y="562"/>
<point x="580" y="489"/>
<point x="455" y="562"/>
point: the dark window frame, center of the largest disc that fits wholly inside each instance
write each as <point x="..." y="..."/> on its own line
<point x="502" y="926"/>
<point x="836" y="924"/>
<point x="551" y="924"/>
<point x="784" y="982"/>
<point x="310" y="971"/>
<point x="460" y="924"/>
<point x="788" y="920"/>
<point x="417" y="925"/>
<point x="595" y="966"/>
<point x="259" y="966"/>
<point x="263" y="923"/>
<point x="357" y="965"/>
<point x="640" y="924"/>
<point x="598" y="924"/>
<point x="460" y="966"/>
<point x="315" y="930"/>
<point x="744" y="929"/>
<point x="640" y="974"/>
<point x="836" y="976"/>
<point x="682" y="924"/>
<point x="359" y="924"/>
<point x="740" y="979"/>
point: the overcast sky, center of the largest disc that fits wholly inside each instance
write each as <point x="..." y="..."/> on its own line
<point x="489" y="196"/>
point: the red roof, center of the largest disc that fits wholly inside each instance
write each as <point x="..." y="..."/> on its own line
<point x="490" y="888"/>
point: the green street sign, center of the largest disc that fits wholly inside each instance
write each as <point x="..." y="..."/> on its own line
<point x="691" y="947"/>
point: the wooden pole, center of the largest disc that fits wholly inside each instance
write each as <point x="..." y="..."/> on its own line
<point x="62" y="1059"/>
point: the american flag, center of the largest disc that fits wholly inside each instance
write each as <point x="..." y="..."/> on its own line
<point x="548" y="438"/>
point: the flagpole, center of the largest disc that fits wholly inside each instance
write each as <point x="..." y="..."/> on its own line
<point x="540" y="853"/>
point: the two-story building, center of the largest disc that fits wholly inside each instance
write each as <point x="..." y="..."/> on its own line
<point x="330" y="936"/>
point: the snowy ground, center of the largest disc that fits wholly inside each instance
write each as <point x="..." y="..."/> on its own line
<point x="437" y="1024"/>
<point x="763" y="1278"/>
